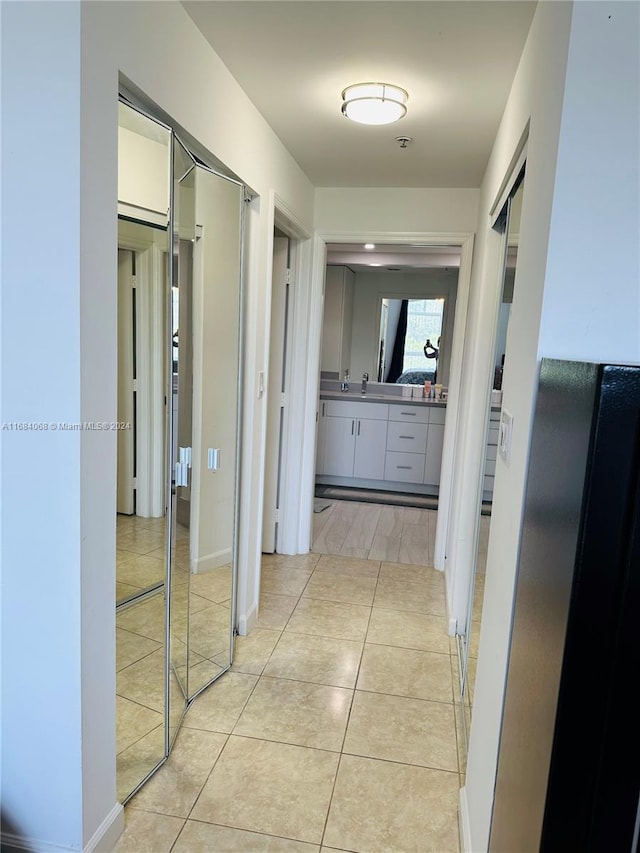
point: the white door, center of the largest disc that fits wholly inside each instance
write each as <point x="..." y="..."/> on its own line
<point x="126" y="371"/>
<point x="275" y="392"/>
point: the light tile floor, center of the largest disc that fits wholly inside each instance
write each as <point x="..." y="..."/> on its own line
<point x="335" y="729"/>
<point x="140" y="554"/>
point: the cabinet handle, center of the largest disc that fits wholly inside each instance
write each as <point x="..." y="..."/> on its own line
<point x="353" y="424"/>
<point x="413" y="414"/>
<point x="358" y="427"/>
<point x="404" y="467"/>
<point x="411" y="437"/>
<point x="323" y="405"/>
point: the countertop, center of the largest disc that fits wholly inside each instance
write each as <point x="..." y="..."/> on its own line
<point x="395" y="399"/>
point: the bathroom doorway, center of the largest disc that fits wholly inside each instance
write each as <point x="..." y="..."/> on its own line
<point x="383" y="516"/>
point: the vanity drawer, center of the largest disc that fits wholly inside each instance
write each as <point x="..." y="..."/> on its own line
<point x="409" y="414"/>
<point x="408" y="437"/>
<point x="356" y="409"/>
<point x="404" y="467"/>
<point x="492" y="437"/>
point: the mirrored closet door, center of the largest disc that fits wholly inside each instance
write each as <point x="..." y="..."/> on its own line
<point x="180" y="228"/>
<point x="508" y="224"/>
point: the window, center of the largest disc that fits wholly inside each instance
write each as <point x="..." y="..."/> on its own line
<point x="424" y="322"/>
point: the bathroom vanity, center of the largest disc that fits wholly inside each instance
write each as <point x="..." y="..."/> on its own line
<point x="381" y="442"/>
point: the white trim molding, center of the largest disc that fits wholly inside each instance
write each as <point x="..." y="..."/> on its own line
<point x="463" y="822"/>
<point x="103" y="839"/>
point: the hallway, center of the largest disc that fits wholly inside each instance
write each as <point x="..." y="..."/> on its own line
<point x="334" y="730"/>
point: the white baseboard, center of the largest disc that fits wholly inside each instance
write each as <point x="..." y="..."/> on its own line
<point x="463" y="821"/>
<point x="103" y="839"/>
<point x="247" y="621"/>
<point x="211" y="561"/>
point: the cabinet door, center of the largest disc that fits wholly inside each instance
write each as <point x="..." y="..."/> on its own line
<point x="339" y="445"/>
<point x="371" y="442"/>
<point x="433" y="461"/>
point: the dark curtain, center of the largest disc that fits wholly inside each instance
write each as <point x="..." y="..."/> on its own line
<point x="397" y="357"/>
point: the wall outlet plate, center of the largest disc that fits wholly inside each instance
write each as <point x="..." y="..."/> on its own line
<point x="504" y="435"/>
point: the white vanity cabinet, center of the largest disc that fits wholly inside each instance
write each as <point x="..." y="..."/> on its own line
<point x="395" y="446"/>
<point x="351" y="439"/>
<point x="490" y="455"/>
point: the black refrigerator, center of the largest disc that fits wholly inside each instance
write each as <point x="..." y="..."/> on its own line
<point x="568" y="776"/>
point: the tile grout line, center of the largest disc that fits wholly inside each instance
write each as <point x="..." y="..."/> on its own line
<point x="346" y="728"/>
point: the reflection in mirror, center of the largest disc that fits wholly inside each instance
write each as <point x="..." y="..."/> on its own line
<point x="215" y="358"/>
<point x="182" y="407"/>
<point x="179" y="346"/>
<point x="143" y="249"/>
<point x="140" y="687"/>
<point x="410" y="335"/>
<point x="141" y="500"/>
<point x="509" y="224"/>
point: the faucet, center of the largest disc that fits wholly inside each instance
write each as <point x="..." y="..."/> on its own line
<point x="365" y="378"/>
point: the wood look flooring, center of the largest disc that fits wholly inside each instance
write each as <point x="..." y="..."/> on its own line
<point x="369" y="531"/>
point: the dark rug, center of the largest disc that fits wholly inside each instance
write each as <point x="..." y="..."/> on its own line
<point x="345" y="493"/>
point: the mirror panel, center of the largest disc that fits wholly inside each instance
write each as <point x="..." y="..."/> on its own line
<point x="140" y="691"/>
<point x="216" y="359"/>
<point x="468" y="645"/>
<point x="142" y="443"/>
<point x="183" y="226"/>
<point x="179" y="353"/>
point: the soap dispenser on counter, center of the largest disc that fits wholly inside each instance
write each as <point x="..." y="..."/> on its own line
<point x="344" y="386"/>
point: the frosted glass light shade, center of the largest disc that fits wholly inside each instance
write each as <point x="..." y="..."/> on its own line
<point x="374" y="103"/>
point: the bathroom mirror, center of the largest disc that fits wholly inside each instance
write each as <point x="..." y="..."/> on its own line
<point x="507" y="223"/>
<point x="355" y="323"/>
<point x="406" y="325"/>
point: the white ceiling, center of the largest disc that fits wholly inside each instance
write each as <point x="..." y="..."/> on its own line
<point x="456" y="59"/>
<point x="392" y="257"/>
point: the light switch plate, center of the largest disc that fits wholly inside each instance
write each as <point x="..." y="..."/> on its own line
<point x="213" y="458"/>
<point x="504" y="435"/>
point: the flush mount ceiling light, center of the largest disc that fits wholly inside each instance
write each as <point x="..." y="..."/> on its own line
<point x="374" y="103"/>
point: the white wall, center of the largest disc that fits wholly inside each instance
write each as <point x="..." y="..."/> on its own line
<point x="369" y="289"/>
<point x="581" y="190"/>
<point x="143" y="171"/>
<point x="60" y="71"/>
<point x="45" y="712"/>
<point x="396" y="211"/>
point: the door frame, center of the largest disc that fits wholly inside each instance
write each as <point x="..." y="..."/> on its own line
<point x="151" y="273"/>
<point x="279" y="336"/>
<point x="293" y="440"/>
<point x="306" y="356"/>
